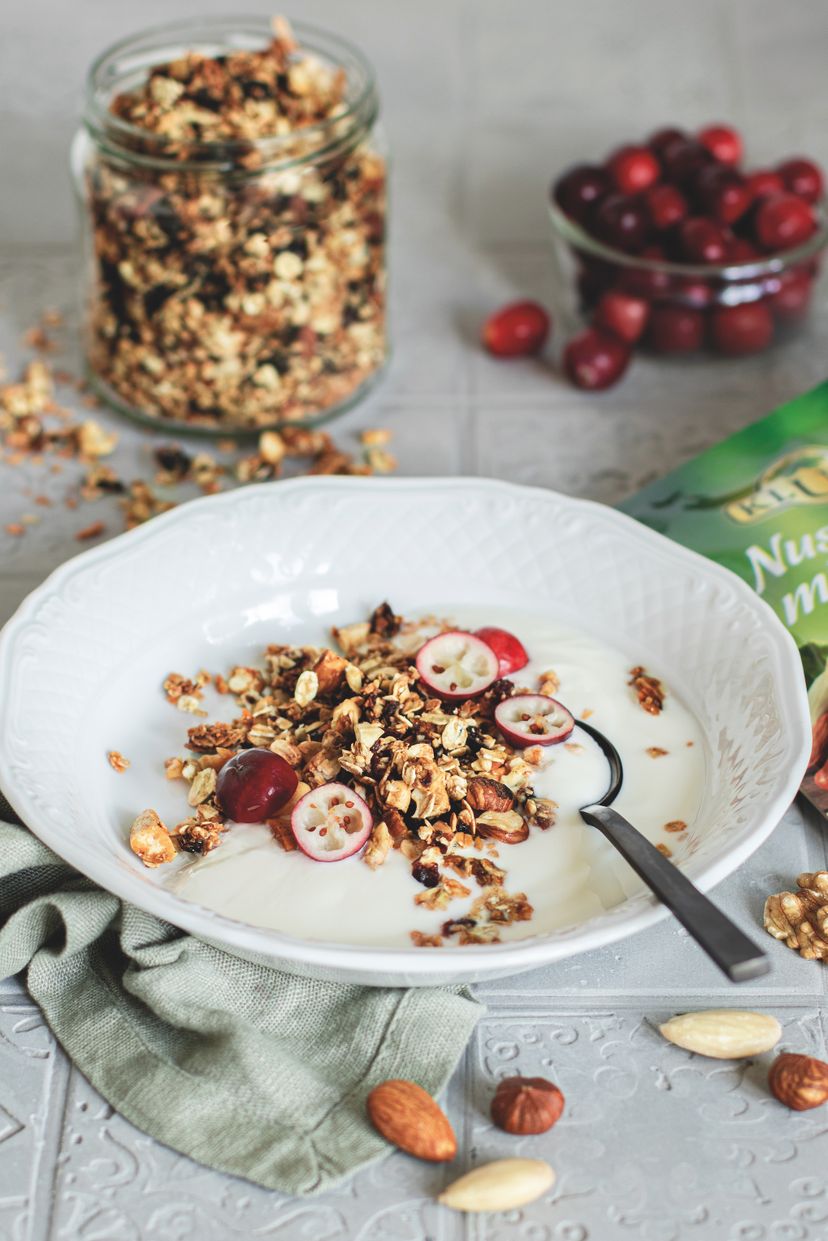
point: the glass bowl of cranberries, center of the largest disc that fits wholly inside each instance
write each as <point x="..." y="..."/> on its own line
<point x="675" y="247"/>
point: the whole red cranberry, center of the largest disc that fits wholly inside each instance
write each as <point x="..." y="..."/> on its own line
<point x="665" y="205"/>
<point x="675" y="329"/>
<point x="802" y="177"/>
<point x="633" y="168"/>
<point x="690" y="291"/>
<point x="644" y="281"/>
<point x="663" y="137"/>
<point x="580" y="188"/>
<point x="516" y="330"/>
<point x="741" y="250"/>
<point x="682" y="159"/>
<point x="255" y="784"/>
<point x="623" y="315"/>
<point x="723" y="193"/>
<point x="723" y="143"/>
<point x="594" y="276"/>
<point x="747" y="328"/>
<point x="704" y="241"/>
<point x="792" y="299"/>
<point x="783" y="221"/>
<point x="763" y="182"/>
<point x="595" y="359"/>
<point x="619" y="221"/>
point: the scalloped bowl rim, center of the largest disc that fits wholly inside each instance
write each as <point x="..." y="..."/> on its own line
<point x="412" y="964"/>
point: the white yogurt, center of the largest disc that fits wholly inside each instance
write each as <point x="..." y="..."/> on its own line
<point x="568" y="872"/>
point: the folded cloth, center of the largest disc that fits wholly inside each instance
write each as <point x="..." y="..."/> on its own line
<point x="242" y="1067"/>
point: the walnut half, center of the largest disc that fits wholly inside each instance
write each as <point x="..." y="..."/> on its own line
<point x="800" y="919"/>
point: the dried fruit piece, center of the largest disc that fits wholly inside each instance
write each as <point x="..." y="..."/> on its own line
<point x="331" y="822"/>
<point x="526" y="1105"/>
<point x="406" y="1115"/>
<point x="516" y="330"/>
<point x="800" y="1082"/>
<point x="499" y="1186"/>
<point x="723" y="1033"/>
<point x="510" y="651"/>
<point x="457" y="665"/>
<point x="254" y="785"/>
<point x="533" y="719"/>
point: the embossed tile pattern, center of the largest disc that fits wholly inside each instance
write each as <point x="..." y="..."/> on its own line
<point x="483" y="101"/>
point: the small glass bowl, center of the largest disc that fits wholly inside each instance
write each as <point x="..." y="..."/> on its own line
<point x="781" y="286"/>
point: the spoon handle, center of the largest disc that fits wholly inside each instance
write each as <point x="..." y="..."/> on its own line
<point x="736" y="955"/>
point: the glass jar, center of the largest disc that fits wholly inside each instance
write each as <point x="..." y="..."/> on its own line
<point x="236" y="284"/>
<point x="731" y="309"/>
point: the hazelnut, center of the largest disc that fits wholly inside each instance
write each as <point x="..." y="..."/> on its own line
<point x="526" y="1105"/>
<point x="800" y="1082"/>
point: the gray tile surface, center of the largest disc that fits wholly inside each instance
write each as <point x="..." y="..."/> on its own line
<point x="483" y="101"/>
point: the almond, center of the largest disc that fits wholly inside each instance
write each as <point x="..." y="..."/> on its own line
<point x="406" y="1115"/>
<point x="499" y="1186"/>
<point x="724" y="1033"/>
<point x="800" y="1082"/>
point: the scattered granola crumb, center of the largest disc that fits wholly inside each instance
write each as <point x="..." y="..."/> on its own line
<point x="655" y="751"/>
<point x="117" y="761"/>
<point x="662" y="848"/>
<point x="150" y="840"/>
<point x="419" y="940"/>
<point x="675" y="825"/>
<point x="586" y="713"/>
<point x="92" y="531"/>
<point x="689" y="743"/>
<point x="16" y="529"/>
<point x="375" y="437"/>
<point x="649" y="690"/>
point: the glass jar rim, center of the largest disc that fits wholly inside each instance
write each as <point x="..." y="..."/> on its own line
<point x="119" y="137"/>
<point x="766" y="265"/>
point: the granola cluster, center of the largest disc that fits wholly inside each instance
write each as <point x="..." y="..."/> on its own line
<point x="444" y="789"/>
<point x="239" y="279"/>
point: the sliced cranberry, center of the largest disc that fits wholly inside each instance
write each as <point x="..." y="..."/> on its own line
<point x="704" y="241"/>
<point x="763" y="182"/>
<point x="723" y="193"/>
<point x="802" y="177"/>
<point x="457" y="665"/>
<point x="622" y="314"/>
<point x="632" y="169"/>
<point x="682" y="159"/>
<point x="595" y="360"/>
<point x="254" y="784"/>
<point x="723" y="143"/>
<point x="783" y="221"/>
<point x="331" y="823"/>
<point x="510" y="651"/>
<point x="666" y="206"/>
<point x="791" y="301"/>
<point x="675" y="329"/>
<point x="533" y="719"/>
<point x="516" y="330"/>
<point x="580" y="188"/>
<point x="736" y="330"/>
<point x="663" y="137"/>
<point x="621" y="222"/>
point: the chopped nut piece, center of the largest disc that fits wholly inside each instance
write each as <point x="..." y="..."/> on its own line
<point x="649" y="690"/>
<point x="117" y="761"/>
<point x="378" y="847"/>
<point x="486" y="794"/>
<point x="150" y="840"/>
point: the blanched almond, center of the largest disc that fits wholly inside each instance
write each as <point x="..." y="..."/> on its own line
<point x="723" y="1033"/>
<point x="499" y="1186"/>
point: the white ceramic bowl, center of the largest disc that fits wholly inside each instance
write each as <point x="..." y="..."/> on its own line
<point x="214" y="577"/>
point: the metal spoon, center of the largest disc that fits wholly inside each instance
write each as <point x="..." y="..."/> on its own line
<point x="735" y="954"/>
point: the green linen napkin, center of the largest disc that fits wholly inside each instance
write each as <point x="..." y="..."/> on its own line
<point x="239" y="1066"/>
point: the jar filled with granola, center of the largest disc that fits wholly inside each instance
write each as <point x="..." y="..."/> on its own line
<point x="231" y="174"/>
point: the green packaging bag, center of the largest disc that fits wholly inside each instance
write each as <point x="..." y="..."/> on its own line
<point x="758" y="504"/>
